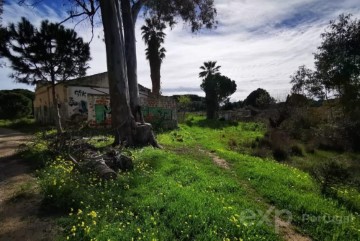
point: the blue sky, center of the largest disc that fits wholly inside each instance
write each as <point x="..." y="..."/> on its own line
<point x="258" y="43"/>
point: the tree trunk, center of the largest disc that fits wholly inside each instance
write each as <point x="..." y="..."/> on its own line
<point x="212" y="106"/>
<point x="122" y="119"/>
<point x="56" y="109"/>
<point x="155" y="77"/>
<point x="131" y="61"/>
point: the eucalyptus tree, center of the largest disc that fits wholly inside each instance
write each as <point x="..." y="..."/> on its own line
<point x="119" y="18"/>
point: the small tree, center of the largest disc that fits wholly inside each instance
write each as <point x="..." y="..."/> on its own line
<point x="183" y="104"/>
<point x="217" y="89"/>
<point x="305" y="82"/>
<point x="153" y="36"/>
<point x="50" y="54"/>
<point x="259" y="98"/>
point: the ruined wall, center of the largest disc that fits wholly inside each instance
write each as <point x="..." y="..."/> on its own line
<point x="160" y="111"/>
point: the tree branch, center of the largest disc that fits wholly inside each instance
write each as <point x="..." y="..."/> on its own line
<point x="72" y="16"/>
<point x="135" y="9"/>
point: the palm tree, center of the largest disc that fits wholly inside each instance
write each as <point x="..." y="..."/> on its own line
<point x="153" y="37"/>
<point x="209" y="68"/>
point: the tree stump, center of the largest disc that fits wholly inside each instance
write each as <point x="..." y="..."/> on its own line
<point x="144" y="135"/>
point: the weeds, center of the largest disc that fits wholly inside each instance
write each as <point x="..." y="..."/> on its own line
<point x="179" y="194"/>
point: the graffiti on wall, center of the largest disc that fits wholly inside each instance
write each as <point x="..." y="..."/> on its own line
<point x="99" y="110"/>
<point x="78" y="107"/>
<point x="80" y="93"/>
<point x="157" y="113"/>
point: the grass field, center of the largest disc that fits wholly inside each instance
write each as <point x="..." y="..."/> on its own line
<point x="179" y="193"/>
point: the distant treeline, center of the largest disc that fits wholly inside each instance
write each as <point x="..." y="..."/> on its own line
<point x="16" y="103"/>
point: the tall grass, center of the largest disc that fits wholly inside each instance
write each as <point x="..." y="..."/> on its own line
<point x="179" y="194"/>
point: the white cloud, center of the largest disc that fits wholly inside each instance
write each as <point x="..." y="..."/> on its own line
<point x="259" y="44"/>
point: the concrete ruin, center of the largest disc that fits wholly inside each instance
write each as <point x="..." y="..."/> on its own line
<point x="87" y="99"/>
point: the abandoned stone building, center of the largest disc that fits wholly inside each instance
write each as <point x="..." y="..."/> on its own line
<point x="87" y="99"/>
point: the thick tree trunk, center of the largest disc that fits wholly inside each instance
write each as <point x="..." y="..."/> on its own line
<point x="121" y="116"/>
<point x="131" y="61"/>
<point x="121" y="112"/>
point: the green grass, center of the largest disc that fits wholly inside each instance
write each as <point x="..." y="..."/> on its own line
<point x="179" y="193"/>
<point x="26" y="125"/>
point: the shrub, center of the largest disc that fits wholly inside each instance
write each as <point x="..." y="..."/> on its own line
<point x="297" y="150"/>
<point x="310" y="148"/>
<point x="331" y="173"/>
<point x="14" y="106"/>
<point x="280" y="154"/>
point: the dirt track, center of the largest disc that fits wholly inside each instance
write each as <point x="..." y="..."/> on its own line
<point x="19" y="195"/>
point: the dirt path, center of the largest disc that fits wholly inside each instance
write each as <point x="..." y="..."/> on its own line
<point x="19" y="195"/>
<point x="285" y="228"/>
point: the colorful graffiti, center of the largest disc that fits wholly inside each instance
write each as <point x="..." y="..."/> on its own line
<point x="152" y="113"/>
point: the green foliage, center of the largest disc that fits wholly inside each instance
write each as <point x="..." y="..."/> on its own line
<point x="337" y="72"/>
<point x="217" y="87"/>
<point x="297" y="150"/>
<point x="337" y="62"/>
<point x="13" y="105"/>
<point x="178" y="193"/>
<point x="198" y="14"/>
<point x="51" y="53"/>
<point x="183" y="102"/>
<point x="259" y="98"/>
<point x="331" y="173"/>
<point x="208" y="69"/>
<point x="153" y="36"/>
<point x="306" y="82"/>
<point x="183" y="105"/>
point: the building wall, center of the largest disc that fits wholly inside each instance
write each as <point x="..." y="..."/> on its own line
<point x="80" y="99"/>
<point x="77" y="100"/>
<point x="43" y="103"/>
<point x="156" y="110"/>
<point x="159" y="110"/>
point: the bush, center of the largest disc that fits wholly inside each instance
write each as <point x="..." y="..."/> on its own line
<point x="297" y="150"/>
<point x="330" y="174"/>
<point x="280" y="154"/>
<point x="14" y="106"/>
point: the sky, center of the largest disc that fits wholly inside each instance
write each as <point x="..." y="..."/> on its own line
<point x="257" y="43"/>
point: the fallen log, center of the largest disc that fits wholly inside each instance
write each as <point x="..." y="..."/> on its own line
<point x="95" y="164"/>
